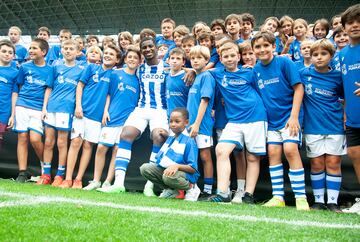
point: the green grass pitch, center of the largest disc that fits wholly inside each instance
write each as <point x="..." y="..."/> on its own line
<point x="42" y="213"/>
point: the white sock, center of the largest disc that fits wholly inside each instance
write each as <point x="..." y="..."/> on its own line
<point x="119" y="178"/>
<point x="240" y="185"/>
<point x="149" y="184"/>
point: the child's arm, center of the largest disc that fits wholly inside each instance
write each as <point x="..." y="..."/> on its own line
<point x="357" y="91"/>
<point x="199" y="117"/>
<point x="210" y="65"/>
<point x="79" y="92"/>
<point x="14" y="97"/>
<point x="46" y="100"/>
<point x="293" y="122"/>
<point x="106" y="116"/>
<point x="189" y="76"/>
<point x="171" y="170"/>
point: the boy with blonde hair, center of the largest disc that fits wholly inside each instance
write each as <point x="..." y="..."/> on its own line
<point x="21" y="52"/>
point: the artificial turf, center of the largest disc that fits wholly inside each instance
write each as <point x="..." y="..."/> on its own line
<point x="161" y="221"/>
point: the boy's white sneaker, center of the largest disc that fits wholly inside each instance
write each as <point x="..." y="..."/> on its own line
<point x="168" y="193"/>
<point x="105" y="184"/>
<point x="238" y="197"/>
<point x="192" y="194"/>
<point x="93" y="185"/>
<point x="355" y="208"/>
<point x="112" y="189"/>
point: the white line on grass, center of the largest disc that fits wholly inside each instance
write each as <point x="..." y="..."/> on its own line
<point x="34" y="200"/>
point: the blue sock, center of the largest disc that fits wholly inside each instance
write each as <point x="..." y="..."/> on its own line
<point x="297" y="180"/>
<point x="333" y="184"/>
<point x="277" y="180"/>
<point x="123" y="155"/>
<point x="47" y="168"/>
<point x="60" y="171"/>
<point x="208" y="183"/>
<point x="155" y="150"/>
<point x="318" y="186"/>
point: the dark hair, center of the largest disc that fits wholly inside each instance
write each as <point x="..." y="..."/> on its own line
<point x="266" y="35"/>
<point x="44" y="29"/>
<point x="248" y="17"/>
<point x="352" y="13"/>
<point x="145" y="32"/>
<point x="184" y="112"/>
<point x="146" y="39"/>
<point x="218" y="22"/>
<point x="133" y="48"/>
<point x="116" y="49"/>
<point x="205" y="35"/>
<point x="8" y="44"/>
<point x="43" y="44"/>
<point x="323" y="22"/>
<point x="338" y="30"/>
<point x="188" y="38"/>
<point x="178" y="51"/>
<point x="92" y="37"/>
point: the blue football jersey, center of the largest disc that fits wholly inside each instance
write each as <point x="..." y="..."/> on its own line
<point x="176" y="92"/>
<point x="8" y="85"/>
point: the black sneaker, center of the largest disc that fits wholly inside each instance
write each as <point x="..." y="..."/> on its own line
<point x="318" y="206"/>
<point x="334" y="208"/>
<point x="22" y="177"/>
<point x="248" y="198"/>
<point x="204" y="196"/>
<point x="218" y="199"/>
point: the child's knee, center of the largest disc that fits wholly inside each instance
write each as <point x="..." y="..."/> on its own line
<point x="205" y="155"/>
<point x="87" y="145"/>
<point x="35" y="139"/>
<point x="144" y="169"/>
<point x="62" y="143"/>
<point x="76" y="143"/>
<point x="49" y="143"/>
<point x="291" y="152"/>
<point x="317" y="165"/>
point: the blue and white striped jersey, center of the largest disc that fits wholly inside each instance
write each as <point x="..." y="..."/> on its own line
<point x="152" y="85"/>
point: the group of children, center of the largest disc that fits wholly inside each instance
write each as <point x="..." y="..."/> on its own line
<point x="258" y="92"/>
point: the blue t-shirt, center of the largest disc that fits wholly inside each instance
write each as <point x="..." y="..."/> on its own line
<point x="239" y="41"/>
<point x="335" y="62"/>
<point x="161" y="40"/>
<point x="275" y="83"/>
<point x="124" y="94"/>
<point x="63" y="81"/>
<point x="97" y="82"/>
<point x="220" y="115"/>
<point x="294" y="50"/>
<point x="323" y="113"/>
<point x="350" y="67"/>
<point x="242" y="102"/>
<point x="176" y="92"/>
<point x="167" y="55"/>
<point x="32" y="79"/>
<point x="152" y="85"/>
<point x="8" y="77"/>
<point x="54" y="54"/>
<point x="214" y="56"/>
<point x="279" y="45"/>
<point x="20" y="54"/>
<point x="203" y="87"/>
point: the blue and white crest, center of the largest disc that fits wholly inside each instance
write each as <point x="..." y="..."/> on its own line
<point x="224" y="82"/>
<point x="261" y="84"/>
<point x="121" y="86"/>
<point x="308" y="89"/>
<point x="343" y="69"/>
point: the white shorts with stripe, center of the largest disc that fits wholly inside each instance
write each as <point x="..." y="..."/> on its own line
<point x="86" y="129"/>
<point x="28" y="119"/>
<point x="317" y="145"/>
<point x="59" y="121"/>
<point x="110" y="136"/>
<point x="278" y="137"/>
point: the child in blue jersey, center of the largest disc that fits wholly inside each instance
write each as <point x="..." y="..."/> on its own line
<point x="350" y="63"/>
<point x="179" y="33"/>
<point x="233" y="25"/>
<point x="43" y="33"/>
<point x="176" y="89"/>
<point x="186" y="44"/>
<point x="247" y="55"/>
<point x="207" y="39"/>
<point x="248" y="24"/>
<point x="341" y="39"/>
<point x="281" y="89"/>
<point x="55" y="51"/>
<point x="324" y="125"/>
<point x="58" y="110"/>
<point x="175" y="167"/>
<point x="93" y="55"/>
<point x="285" y="35"/>
<point x="82" y="51"/>
<point x="167" y="28"/>
<point x="21" y="52"/>
<point x="150" y="110"/>
<point x="247" y="124"/>
<point x="305" y="53"/>
<point x="199" y="105"/>
<point x="217" y="27"/>
<point x="300" y="28"/>
<point x="122" y="100"/>
<point x="28" y="123"/>
<point x="8" y="87"/>
<point x="91" y="95"/>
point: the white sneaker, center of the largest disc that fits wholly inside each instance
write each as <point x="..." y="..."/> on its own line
<point x="112" y="189"/>
<point x="238" y="197"/>
<point x="355" y="208"/>
<point x="168" y="193"/>
<point x="106" y="184"/>
<point x="93" y="185"/>
<point x="192" y="194"/>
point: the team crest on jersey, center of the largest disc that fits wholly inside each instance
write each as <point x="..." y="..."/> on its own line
<point x="61" y="78"/>
<point x="261" y="84"/>
<point x="121" y="86"/>
<point x="96" y="77"/>
<point x="29" y="78"/>
<point x="308" y="89"/>
<point x="343" y="69"/>
<point x="224" y="82"/>
<point x="167" y="94"/>
<point x="297" y="55"/>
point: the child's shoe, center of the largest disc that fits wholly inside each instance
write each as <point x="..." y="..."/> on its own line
<point x="238" y="197"/>
<point x="105" y="184"/>
<point x="192" y="194"/>
<point x="93" y="185"/>
<point x="66" y="184"/>
<point x="248" y="198"/>
<point x="57" y="181"/>
<point x="168" y="193"/>
<point x="275" y="202"/>
<point x="181" y="194"/>
<point x="302" y="204"/>
<point x="44" y="180"/>
<point x="112" y="189"/>
<point x="149" y="192"/>
<point x="77" y="184"/>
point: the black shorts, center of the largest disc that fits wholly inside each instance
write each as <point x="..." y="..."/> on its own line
<point x="352" y="136"/>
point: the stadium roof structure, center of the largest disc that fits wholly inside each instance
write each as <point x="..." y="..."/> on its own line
<point x="111" y="16"/>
